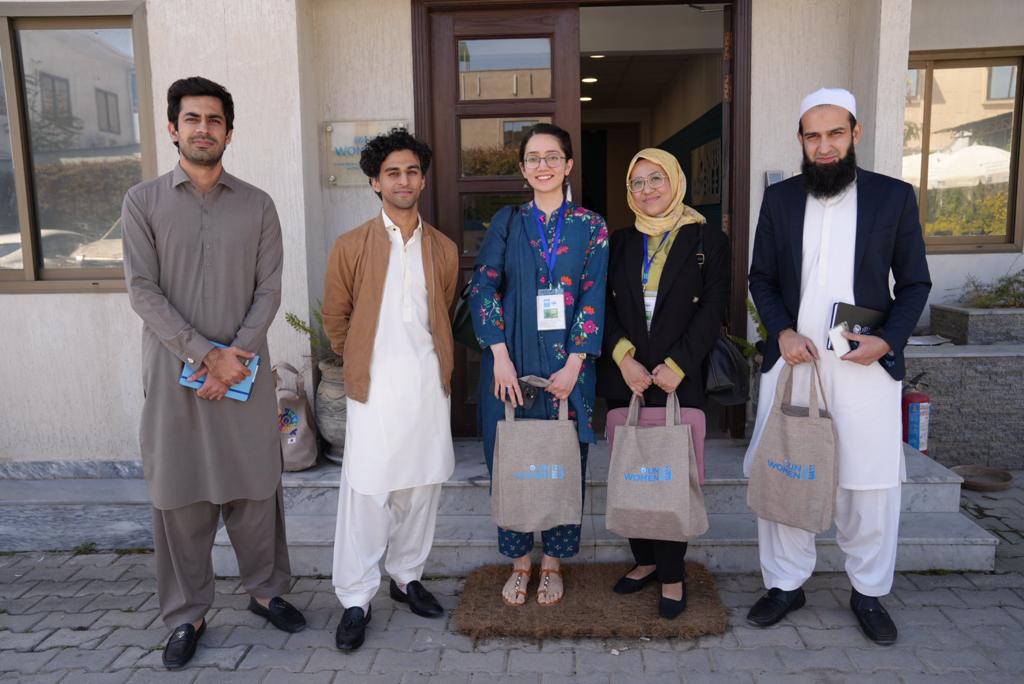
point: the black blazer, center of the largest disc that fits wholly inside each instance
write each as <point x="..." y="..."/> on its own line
<point x="888" y="237"/>
<point x="687" y="317"/>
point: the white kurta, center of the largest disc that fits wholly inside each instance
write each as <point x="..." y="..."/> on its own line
<point x="401" y="437"/>
<point x="864" y="400"/>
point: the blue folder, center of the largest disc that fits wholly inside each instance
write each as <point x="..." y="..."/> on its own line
<point x="239" y="392"/>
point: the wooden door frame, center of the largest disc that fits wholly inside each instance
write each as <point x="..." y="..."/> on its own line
<point x="736" y="90"/>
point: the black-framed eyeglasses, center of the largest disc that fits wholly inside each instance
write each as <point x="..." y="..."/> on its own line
<point x="655" y="181"/>
<point x="554" y="161"/>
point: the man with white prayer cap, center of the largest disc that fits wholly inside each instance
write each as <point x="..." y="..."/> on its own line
<point x="832" y="235"/>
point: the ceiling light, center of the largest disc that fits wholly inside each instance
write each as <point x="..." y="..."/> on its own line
<point x="586" y="99"/>
<point x="590" y="79"/>
<point x="596" y="56"/>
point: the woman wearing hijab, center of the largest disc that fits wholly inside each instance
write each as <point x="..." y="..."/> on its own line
<point x="662" y="318"/>
<point x="546" y="244"/>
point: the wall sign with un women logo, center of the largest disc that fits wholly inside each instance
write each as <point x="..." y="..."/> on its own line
<point x="344" y="142"/>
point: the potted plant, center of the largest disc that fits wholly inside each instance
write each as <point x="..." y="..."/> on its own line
<point x="987" y="313"/>
<point x="752" y="351"/>
<point x="330" y="392"/>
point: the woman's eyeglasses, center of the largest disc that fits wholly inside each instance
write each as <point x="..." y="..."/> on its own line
<point x="655" y="181"/>
<point x="554" y="161"/>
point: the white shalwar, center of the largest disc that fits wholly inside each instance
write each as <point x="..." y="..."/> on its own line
<point x="865" y="405"/>
<point x="398" y="445"/>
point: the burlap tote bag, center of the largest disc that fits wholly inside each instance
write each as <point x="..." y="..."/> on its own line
<point x="653" y="482"/>
<point x="294" y="419"/>
<point x="793" y="475"/>
<point x="536" y="483"/>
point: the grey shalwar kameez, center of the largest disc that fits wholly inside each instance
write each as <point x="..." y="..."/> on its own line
<point x="201" y="269"/>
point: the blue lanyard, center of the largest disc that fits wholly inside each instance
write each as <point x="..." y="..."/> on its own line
<point x="650" y="260"/>
<point x="550" y="255"/>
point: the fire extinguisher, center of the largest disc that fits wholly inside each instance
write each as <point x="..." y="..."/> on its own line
<point x="916" y="410"/>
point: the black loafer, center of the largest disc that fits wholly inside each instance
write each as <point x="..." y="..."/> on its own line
<point x="281" y="614"/>
<point x="182" y="645"/>
<point x="628" y="585"/>
<point x="775" y="605"/>
<point x="873" y="618"/>
<point x="420" y="601"/>
<point x="352" y="629"/>
<point x="670" y="609"/>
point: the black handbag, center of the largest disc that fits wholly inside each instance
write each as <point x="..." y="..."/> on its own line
<point x="728" y="373"/>
<point x="462" y="322"/>
<point x="462" y="319"/>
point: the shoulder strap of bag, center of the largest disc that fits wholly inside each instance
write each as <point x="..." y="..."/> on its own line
<point x="299" y="383"/>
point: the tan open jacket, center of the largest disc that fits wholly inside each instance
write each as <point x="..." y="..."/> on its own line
<point x="354" y="289"/>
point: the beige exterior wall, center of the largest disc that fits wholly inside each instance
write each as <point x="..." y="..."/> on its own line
<point x="77" y="373"/>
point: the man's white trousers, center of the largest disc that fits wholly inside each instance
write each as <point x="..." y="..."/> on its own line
<point x="867" y="528"/>
<point x="399" y="523"/>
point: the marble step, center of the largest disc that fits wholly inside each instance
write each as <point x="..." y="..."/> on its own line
<point x="930" y="487"/>
<point x="928" y="541"/>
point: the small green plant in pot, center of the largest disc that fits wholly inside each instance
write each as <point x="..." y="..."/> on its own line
<point x="330" y="392"/>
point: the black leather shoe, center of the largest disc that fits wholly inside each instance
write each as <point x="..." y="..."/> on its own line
<point x="182" y="645"/>
<point x="628" y="585"/>
<point x="670" y="609"/>
<point x="775" y="605"/>
<point x="352" y="629"/>
<point x="281" y="614"/>
<point x="420" y="601"/>
<point x="873" y="618"/>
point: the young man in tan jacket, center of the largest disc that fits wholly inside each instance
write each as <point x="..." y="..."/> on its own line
<point x="389" y="288"/>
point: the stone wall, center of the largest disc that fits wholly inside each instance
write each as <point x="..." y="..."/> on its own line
<point x="967" y="325"/>
<point x="977" y="406"/>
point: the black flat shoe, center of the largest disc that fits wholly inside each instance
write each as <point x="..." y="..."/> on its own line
<point x="775" y="605"/>
<point x="628" y="585"/>
<point x="352" y="629"/>
<point x="670" y="609"/>
<point x="181" y="646"/>
<point x="420" y="601"/>
<point x="281" y="614"/>
<point x="873" y="618"/>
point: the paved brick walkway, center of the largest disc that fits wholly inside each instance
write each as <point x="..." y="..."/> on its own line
<point x="93" y="618"/>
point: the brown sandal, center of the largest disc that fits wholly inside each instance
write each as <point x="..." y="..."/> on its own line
<point x="545" y="579"/>
<point x="522" y="581"/>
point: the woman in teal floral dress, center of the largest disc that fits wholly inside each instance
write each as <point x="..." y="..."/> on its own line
<point x="548" y="243"/>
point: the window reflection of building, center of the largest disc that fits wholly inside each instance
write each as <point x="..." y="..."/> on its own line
<point x="54" y="96"/>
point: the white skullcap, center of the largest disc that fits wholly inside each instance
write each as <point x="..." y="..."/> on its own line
<point x="830" y="96"/>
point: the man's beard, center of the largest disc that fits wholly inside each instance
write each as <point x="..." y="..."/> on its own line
<point x="199" y="157"/>
<point x="828" y="180"/>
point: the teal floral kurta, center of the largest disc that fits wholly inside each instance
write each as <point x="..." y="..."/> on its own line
<point x="510" y="270"/>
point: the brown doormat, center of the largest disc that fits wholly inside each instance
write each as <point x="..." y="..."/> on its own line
<point x="589" y="608"/>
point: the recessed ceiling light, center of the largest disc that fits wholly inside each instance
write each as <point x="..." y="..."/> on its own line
<point x="596" y="56"/>
<point x="590" y="79"/>
<point x="586" y="99"/>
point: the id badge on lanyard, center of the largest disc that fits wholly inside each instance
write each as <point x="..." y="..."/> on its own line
<point x="550" y="302"/>
<point x="650" y="297"/>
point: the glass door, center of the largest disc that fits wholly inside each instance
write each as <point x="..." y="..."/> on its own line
<point x="492" y="74"/>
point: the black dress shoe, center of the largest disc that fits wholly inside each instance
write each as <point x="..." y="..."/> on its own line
<point x="670" y="608"/>
<point x="775" y="605"/>
<point x="873" y="618"/>
<point x="420" y="601"/>
<point x="281" y="614"/>
<point x="628" y="585"/>
<point x="182" y="645"/>
<point x="352" y="629"/>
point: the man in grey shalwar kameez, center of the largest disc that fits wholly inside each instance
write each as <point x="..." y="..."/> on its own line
<point x="203" y="258"/>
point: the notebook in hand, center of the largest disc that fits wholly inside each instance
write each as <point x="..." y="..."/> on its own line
<point x="860" y="319"/>
<point x="239" y="392"/>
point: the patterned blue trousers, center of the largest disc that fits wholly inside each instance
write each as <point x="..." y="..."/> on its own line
<point x="562" y="541"/>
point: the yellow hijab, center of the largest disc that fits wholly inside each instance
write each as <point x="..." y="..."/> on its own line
<point x="678" y="214"/>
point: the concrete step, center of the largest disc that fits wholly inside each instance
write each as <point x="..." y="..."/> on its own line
<point x="930" y="487"/>
<point x="928" y="541"/>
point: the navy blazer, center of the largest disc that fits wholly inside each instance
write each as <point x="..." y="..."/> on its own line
<point x="889" y="237"/>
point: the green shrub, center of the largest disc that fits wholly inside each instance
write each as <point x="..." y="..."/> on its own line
<point x="1006" y="292"/>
